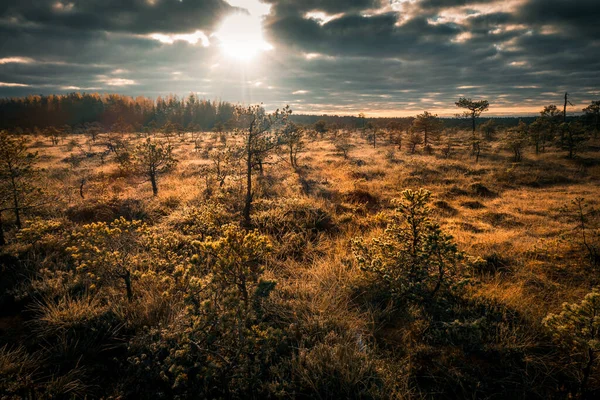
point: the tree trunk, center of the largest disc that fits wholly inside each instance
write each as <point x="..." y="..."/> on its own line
<point x="586" y="373"/>
<point x="2" y="240"/>
<point x="17" y="210"/>
<point x="565" y="107"/>
<point x="248" y="202"/>
<point x="438" y="285"/>
<point x="127" y="279"/>
<point x="260" y="167"/>
<point x="154" y="185"/>
<point x="81" y="188"/>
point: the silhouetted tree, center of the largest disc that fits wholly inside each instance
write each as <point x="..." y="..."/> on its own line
<point x="567" y="102"/>
<point x="516" y="138"/>
<point x="429" y="126"/>
<point x="321" y="127"/>
<point x="474" y="108"/>
<point x="592" y="113"/>
<point x="573" y="134"/>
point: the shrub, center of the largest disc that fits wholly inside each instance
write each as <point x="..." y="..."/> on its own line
<point x="203" y="221"/>
<point x="107" y="210"/>
<point x="221" y="346"/>
<point x="105" y="253"/>
<point x="577" y="328"/>
<point x="413" y="256"/>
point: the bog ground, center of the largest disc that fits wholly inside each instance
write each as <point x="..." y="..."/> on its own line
<point x="110" y="291"/>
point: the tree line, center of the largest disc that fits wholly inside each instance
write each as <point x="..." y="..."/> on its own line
<point x="75" y="111"/>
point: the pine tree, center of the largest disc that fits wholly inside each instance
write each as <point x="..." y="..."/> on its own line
<point x="413" y="257"/>
<point x="152" y="159"/>
<point x="516" y="138"/>
<point x="258" y="141"/>
<point x="18" y="191"/>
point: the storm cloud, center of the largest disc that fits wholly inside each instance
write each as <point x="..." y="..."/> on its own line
<point x="381" y="57"/>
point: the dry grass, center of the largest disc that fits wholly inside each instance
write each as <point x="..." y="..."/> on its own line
<point x="507" y="214"/>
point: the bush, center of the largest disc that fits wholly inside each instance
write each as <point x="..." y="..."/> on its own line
<point x="221" y="346"/>
<point x="577" y="329"/>
<point x="107" y="210"/>
<point x="413" y="256"/>
<point x="201" y="221"/>
<point x="107" y="253"/>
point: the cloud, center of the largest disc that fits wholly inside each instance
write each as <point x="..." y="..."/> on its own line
<point x="16" y="60"/>
<point x="191" y="38"/>
<point x="332" y="55"/>
<point x="138" y="16"/>
<point x="117" y="81"/>
<point x="11" y="84"/>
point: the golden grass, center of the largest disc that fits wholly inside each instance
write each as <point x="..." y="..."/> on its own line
<point x="516" y="218"/>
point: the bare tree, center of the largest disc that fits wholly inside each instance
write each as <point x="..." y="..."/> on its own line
<point x="17" y="173"/>
<point x="292" y="138"/>
<point x="258" y="140"/>
<point x="152" y="159"/>
<point x="567" y="102"/>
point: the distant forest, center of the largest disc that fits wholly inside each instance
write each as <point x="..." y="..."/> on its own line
<point x="111" y="110"/>
<point x="115" y="111"/>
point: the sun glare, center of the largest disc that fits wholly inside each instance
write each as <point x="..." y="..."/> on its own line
<point x="240" y="37"/>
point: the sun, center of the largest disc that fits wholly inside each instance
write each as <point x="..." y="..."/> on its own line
<point x="240" y="36"/>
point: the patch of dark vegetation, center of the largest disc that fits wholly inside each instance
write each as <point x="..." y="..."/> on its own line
<point x="362" y="197"/>
<point x="501" y="220"/>
<point x="473" y="205"/>
<point x="480" y="190"/>
<point x="470" y="227"/>
<point x="358" y="162"/>
<point x="456" y="192"/>
<point x="492" y="264"/>
<point x="444" y="208"/>
<point x="107" y="211"/>
<point x="367" y="175"/>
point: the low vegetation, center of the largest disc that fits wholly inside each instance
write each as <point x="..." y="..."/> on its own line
<point x="269" y="258"/>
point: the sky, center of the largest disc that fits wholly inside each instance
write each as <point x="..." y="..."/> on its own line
<point x="380" y="57"/>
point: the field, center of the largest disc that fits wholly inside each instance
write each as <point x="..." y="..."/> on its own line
<point x="285" y="309"/>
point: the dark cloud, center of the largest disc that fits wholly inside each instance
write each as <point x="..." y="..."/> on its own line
<point x="283" y="7"/>
<point x="356" y="35"/>
<point x="440" y="4"/>
<point x="372" y="56"/>
<point x="139" y="16"/>
<point x="571" y="17"/>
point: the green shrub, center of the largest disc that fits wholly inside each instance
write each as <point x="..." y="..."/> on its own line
<point x="577" y="329"/>
<point x="413" y="256"/>
<point x="221" y="346"/>
<point x="108" y="253"/>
